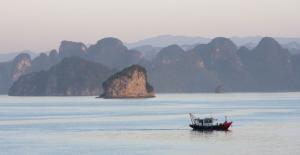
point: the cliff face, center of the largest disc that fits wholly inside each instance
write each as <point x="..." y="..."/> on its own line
<point x="220" y="56"/>
<point x="5" y="78"/>
<point x="71" y="77"/>
<point x="20" y="66"/>
<point x="177" y="71"/>
<point x="44" y="61"/>
<point x="131" y="82"/>
<point x="296" y="70"/>
<point x="12" y="70"/>
<point x="270" y="66"/>
<point x="70" y="49"/>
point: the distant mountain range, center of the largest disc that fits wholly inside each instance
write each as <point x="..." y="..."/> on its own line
<point x="76" y="69"/>
<point x="155" y="43"/>
<point x="166" y="40"/>
<point x="151" y="46"/>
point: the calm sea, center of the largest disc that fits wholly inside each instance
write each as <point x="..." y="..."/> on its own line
<point x="264" y="124"/>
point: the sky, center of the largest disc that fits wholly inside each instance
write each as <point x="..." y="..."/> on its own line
<point x="40" y="25"/>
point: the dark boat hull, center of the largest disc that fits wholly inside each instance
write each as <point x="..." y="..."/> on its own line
<point x="222" y="127"/>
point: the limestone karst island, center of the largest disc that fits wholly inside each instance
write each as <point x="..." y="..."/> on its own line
<point x="131" y="82"/>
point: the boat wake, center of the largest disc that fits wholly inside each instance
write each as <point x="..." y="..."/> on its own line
<point x="143" y="129"/>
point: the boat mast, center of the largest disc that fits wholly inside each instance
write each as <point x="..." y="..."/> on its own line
<point x="192" y="118"/>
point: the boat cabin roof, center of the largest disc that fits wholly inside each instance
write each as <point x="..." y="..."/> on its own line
<point x="205" y="120"/>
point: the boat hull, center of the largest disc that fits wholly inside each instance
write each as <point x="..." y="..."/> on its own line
<point x="222" y="127"/>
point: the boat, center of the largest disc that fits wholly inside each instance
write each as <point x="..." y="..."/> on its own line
<point x="209" y="124"/>
<point x="219" y="89"/>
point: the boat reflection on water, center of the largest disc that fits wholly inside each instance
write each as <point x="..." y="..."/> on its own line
<point x="209" y="134"/>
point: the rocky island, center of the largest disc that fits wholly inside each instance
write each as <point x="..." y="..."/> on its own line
<point x="267" y="67"/>
<point x="73" y="76"/>
<point x="131" y="82"/>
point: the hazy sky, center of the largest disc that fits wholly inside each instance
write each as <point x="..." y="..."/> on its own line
<point x="40" y="25"/>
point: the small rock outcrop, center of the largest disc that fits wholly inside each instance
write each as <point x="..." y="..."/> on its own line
<point x="219" y="89"/>
<point x="131" y="82"/>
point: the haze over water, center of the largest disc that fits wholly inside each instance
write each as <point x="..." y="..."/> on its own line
<point x="264" y="123"/>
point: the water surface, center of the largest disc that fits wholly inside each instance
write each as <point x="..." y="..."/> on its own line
<point x="264" y="123"/>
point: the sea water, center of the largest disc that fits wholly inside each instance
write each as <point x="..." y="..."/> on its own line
<point x="263" y="124"/>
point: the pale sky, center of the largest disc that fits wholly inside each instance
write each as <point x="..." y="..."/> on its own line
<point x="40" y="25"/>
